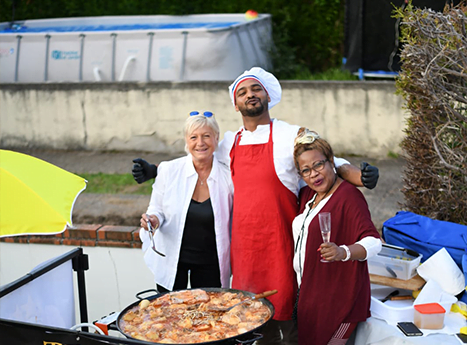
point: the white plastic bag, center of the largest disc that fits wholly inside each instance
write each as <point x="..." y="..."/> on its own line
<point x="441" y="268"/>
<point x="433" y="293"/>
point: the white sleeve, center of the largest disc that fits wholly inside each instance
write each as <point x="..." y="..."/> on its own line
<point x="372" y="246"/>
<point x="148" y="255"/>
<point x="155" y="205"/>
<point x="340" y="161"/>
<point x="223" y="149"/>
<point x="145" y="238"/>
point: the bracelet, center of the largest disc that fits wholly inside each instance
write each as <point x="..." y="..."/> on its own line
<point x="347" y="252"/>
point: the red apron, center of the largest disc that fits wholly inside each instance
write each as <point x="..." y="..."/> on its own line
<point x="262" y="240"/>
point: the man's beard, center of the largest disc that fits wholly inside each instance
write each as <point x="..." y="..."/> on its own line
<point x="254" y="111"/>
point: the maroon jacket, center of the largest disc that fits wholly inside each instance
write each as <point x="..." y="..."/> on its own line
<point x="332" y="293"/>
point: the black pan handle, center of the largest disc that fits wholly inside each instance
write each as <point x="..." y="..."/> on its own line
<point x="138" y="295"/>
<point x="113" y="326"/>
<point x="250" y="341"/>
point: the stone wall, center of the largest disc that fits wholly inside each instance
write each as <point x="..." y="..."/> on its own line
<point x="362" y="118"/>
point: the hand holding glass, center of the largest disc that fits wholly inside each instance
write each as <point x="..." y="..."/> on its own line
<point x="325" y="226"/>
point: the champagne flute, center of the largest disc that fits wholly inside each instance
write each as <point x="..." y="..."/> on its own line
<point x="325" y="226"/>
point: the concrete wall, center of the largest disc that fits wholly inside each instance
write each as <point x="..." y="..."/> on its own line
<point x="362" y="118"/>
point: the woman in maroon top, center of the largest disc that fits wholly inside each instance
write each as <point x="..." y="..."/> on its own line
<point x="335" y="294"/>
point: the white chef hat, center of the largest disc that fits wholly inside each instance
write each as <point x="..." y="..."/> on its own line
<point x="266" y="79"/>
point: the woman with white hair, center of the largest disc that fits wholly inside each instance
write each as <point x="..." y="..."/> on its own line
<point x="190" y="209"/>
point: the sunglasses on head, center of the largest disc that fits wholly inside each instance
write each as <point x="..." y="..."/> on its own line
<point x="206" y="113"/>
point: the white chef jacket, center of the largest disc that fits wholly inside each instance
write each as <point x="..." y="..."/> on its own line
<point x="283" y="136"/>
<point x="371" y="244"/>
<point x="170" y="199"/>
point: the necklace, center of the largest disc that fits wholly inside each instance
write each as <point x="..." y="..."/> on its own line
<point x="300" y="238"/>
<point x="205" y="172"/>
<point x="301" y="234"/>
<point x="202" y="181"/>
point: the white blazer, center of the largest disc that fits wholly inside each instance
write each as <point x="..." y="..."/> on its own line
<point x="170" y="199"/>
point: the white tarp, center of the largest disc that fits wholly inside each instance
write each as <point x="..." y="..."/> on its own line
<point x="47" y="300"/>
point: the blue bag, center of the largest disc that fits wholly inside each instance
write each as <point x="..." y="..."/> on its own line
<point x="426" y="236"/>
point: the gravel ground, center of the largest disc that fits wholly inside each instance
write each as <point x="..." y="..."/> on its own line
<point x="119" y="209"/>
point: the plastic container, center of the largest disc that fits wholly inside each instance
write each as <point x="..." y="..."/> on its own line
<point x="390" y="311"/>
<point x="429" y="316"/>
<point x="395" y="262"/>
<point x="433" y="293"/>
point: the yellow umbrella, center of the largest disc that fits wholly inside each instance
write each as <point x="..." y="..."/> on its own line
<point x="36" y="197"/>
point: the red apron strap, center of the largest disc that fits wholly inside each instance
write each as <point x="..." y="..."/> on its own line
<point x="263" y="211"/>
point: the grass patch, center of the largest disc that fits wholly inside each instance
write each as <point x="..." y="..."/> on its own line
<point x="393" y="154"/>
<point x="115" y="184"/>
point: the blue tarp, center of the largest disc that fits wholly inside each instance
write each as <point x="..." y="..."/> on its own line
<point x="426" y="236"/>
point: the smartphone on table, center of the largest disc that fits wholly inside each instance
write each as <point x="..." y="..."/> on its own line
<point x="409" y="329"/>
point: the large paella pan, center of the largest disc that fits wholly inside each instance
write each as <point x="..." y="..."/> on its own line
<point x="197" y="316"/>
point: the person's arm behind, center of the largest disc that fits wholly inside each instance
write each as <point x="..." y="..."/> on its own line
<point x="143" y="171"/>
<point x="367" y="176"/>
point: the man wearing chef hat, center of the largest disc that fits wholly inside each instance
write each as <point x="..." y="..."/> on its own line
<point x="266" y="186"/>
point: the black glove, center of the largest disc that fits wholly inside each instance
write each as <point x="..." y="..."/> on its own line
<point x="143" y="171"/>
<point x="370" y="175"/>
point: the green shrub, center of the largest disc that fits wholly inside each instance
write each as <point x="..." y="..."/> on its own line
<point x="433" y="81"/>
